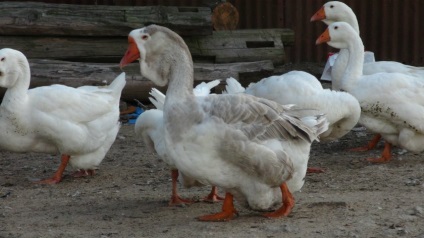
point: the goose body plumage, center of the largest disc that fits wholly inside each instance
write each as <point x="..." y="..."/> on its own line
<point x="150" y="127"/>
<point x="243" y="144"/>
<point x="392" y="104"/>
<point x="341" y="109"/>
<point x="79" y="122"/>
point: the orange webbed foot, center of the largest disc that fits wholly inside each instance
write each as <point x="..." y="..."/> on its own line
<point x="177" y="200"/>
<point x="227" y="213"/>
<point x="52" y="180"/>
<point x="213" y="196"/>
<point x="360" y="149"/>
<point x="57" y="177"/>
<point x="314" y="170"/>
<point x="221" y="216"/>
<point x="281" y="212"/>
<point x="288" y="204"/>
<point x="371" y="145"/>
<point x="385" y="156"/>
<point x="83" y="173"/>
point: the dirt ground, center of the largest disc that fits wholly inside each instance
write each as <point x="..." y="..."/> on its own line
<point x="128" y="197"/>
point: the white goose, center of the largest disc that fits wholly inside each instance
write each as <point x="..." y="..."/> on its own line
<point x="79" y="123"/>
<point x="246" y="145"/>
<point x="335" y="11"/>
<point x="341" y="109"/>
<point x="149" y="126"/>
<point x="392" y="103"/>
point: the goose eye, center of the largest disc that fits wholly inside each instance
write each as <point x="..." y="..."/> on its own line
<point x="2" y="58"/>
<point x="144" y="37"/>
<point x="331" y="6"/>
<point x="336" y="27"/>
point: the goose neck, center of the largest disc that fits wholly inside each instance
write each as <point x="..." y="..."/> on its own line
<point x="355" y="63"/>
<point x="180" y="83"/>
<point x="21" y="76"/>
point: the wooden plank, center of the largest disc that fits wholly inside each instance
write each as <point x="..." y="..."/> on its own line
<point x="245" y="72"/>
<point x="31" y="18"/>
<point x="212" y="49"/>
<point x="87" y="49"/>
<point x="241" y="45"/>
<point x="75" y="74"/>
<point x="239" y="71"/>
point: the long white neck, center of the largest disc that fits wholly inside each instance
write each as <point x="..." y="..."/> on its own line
<point x="18" y="92"/>
<point x="351" y="19"/>
<point x="340" y="64"/>
<point x="338" y="69"/>
<point x="355" y="62"/>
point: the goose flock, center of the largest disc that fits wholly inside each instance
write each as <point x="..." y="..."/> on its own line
<point x="252" y="143"/>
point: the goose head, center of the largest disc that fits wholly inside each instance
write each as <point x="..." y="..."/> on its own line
<point x="158" y="49"/>
<point x="11" y="64"/>
<point x="146" y="125"/>
<point x="337" y="35"/>
<point x="148" y="120"/>
<point x="335" y="11"/>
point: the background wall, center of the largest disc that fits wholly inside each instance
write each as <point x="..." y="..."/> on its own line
<point x="392" y="29"/>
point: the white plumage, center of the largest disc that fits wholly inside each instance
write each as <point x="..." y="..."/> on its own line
<point x="149" y="126"/>
<point x="243" y="144"/>
<point x="78" y="122"/>
<point x="335" y="11"/>
<point x="302" y="89"/>
<point x="392" y="103"/>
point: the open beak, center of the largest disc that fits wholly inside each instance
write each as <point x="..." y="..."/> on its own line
<point x="324" y="37"/>
<point x="132" y="53"/>
<point x="319" y="15"/>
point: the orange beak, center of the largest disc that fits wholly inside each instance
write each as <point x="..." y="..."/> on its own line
<point x="132" y="53"/>
<point x="319" y="15"/>
<point x="324" y="37"/>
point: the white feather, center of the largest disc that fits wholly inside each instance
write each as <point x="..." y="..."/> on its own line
<point x="80" y="122"/>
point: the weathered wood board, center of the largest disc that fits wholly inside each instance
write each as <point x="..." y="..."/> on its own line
<point x="31" y="18"/>
<point x="75" y="74"/>
<point x="241" y="45"/>
<point x="48" y="34"/>
<point x="86" y="33"/>
<point x="221" y="47"/>
<point x="80" y="49"/>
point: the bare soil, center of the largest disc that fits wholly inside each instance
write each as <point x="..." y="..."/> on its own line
<point x="128" y="197"/>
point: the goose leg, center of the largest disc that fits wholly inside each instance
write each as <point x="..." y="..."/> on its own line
<point x="314" y="170"/>
<point x="227" y="213"/>
<point x="288" y="204"/>
<point x="385" y="156"/>
<point x="371" y="145"/>
<point x="213" y="196"/>
<point x="57" y="177"/>
<point x="83" y="173"/>
<point x="175" y="198"/>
